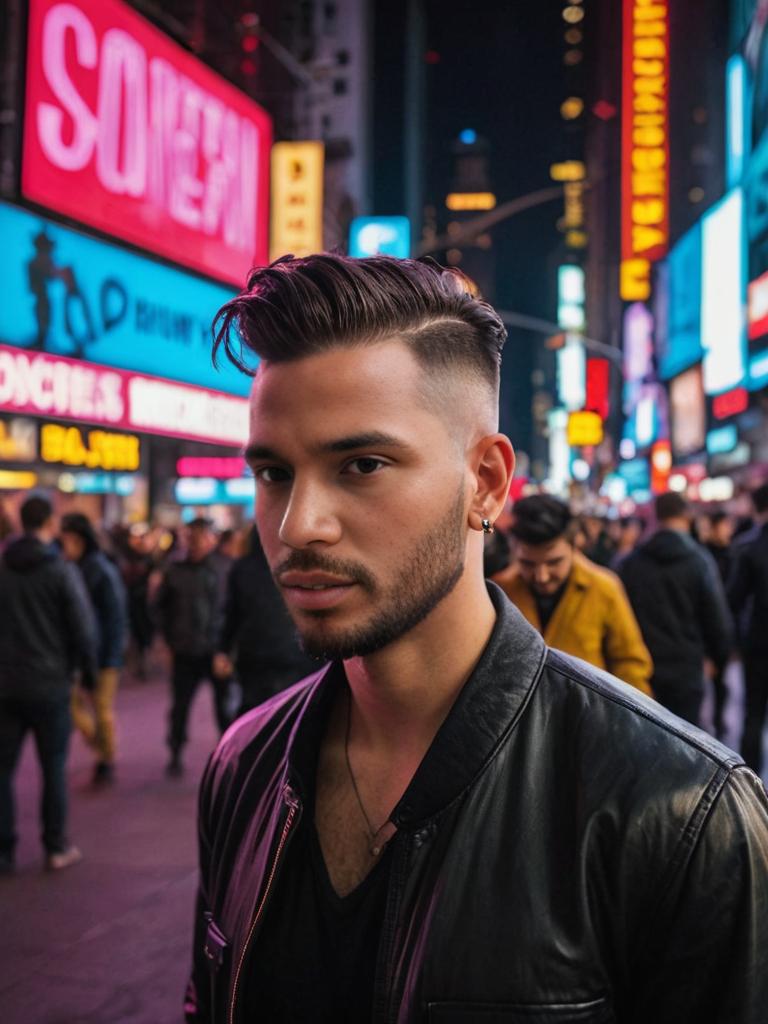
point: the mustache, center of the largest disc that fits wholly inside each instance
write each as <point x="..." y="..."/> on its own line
<point x="307" y="561"/>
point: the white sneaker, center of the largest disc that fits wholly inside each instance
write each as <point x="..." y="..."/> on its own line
<point x="64" y="859"/>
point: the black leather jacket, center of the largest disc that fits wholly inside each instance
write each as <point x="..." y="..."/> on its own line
<point x="568" y="851"/>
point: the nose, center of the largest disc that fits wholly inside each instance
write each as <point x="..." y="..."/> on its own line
<point x="310" y="517"/>
<point x="541" y="575"/>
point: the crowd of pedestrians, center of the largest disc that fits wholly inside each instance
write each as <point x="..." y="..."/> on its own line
<point x="664" y="605"/>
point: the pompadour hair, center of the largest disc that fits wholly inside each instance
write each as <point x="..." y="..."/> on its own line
<point x="542" y="518"/>
<point x="300" y="307"/>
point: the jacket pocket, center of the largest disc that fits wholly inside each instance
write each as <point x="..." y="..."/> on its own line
<point x="596" y="1011"/>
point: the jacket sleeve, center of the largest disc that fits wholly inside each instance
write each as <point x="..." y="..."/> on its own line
<point x="626" y="655"/>
<point x="708" y="958"/>
<point x="715" y="616"/>
<point x="113" y="618"/>
<point x="740" y="580"/>
<point x="161" y="605"/>
<point x="79" y="621"/>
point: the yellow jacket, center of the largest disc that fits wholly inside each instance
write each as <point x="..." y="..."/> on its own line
<point x="593" y="621"/>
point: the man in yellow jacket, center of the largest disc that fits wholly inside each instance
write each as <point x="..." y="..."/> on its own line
<point x="577" y="606"/>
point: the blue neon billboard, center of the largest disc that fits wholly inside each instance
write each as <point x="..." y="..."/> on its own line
<point x="385" y="236"/>
<point x="69" y="294"/>
<point x="683" y="347"/>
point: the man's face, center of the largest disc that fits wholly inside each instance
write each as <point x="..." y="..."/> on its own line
<point x="200" y="542"/>
<point x="362" y="495"/>
<point x="545" y="567"/>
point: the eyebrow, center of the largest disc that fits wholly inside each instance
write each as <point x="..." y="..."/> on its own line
<point x="369" y="439"/>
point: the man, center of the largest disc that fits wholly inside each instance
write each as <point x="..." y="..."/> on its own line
<point x="449" y="822"/>
<point x="677" y="596"/>
<point x="257" y="632"/>
<point x="47" y="631"/>
<point x="188" y="608"/>
<point x="578" y="607"/>
<point x="93" y="703"/>
<point x="748" y="597"/>
<point x="719" y="534"/>
<point x="631" y="529"/>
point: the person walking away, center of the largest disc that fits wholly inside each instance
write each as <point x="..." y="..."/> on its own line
<point x="188" y="610"/>
<point x="577" y="606"/>
<point x="137" y="563"/>
<point x="676" y="593"/>
<point x="631" y="529"/>
<point x="748" y="597"/>
<point x="258" y="640"/>
<point x="47" y="632"/>
<point x="93" y="708"/>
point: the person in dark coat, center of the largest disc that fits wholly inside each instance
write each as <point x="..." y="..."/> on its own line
<point x="188" y="610"/>
<point x="676" y="593"/>
<point x="718" y="544"/>
<point x="748" y="597"/>
<point x="47" y="632"/>
<point x="93" y="707"/>
<point x="258" y="640"/>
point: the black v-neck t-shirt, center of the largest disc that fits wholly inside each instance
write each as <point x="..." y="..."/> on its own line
<point x="314" y="960"/>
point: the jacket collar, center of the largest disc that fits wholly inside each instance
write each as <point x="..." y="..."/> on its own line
<point x="484" y="711"/>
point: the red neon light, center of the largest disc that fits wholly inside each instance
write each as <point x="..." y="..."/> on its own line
<point x="661" y="466"/>
<point x="730" y="403"/>
<point x="597" y="399"/>
<point x="211" y="466"/>
<point x="128" y="133"/>
<point x="757" y="307"/>
<point x="70" y="389"/>
<point x="645" y="131"/>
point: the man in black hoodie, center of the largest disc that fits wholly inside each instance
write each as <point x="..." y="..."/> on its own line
<point x="47" y="631"/>
<point x="677" y="596"/>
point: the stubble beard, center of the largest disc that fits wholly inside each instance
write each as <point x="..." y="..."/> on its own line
<point x="428" y="577"/>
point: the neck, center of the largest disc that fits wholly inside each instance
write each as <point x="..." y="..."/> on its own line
<point x="402" y="694"/>
<point x="681" y="525"/>
<point x="44" y="535"/>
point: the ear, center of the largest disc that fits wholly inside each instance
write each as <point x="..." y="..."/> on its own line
<point x="493" y="464"/>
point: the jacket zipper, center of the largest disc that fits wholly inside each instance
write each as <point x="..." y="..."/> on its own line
<point x="293" y="808"/>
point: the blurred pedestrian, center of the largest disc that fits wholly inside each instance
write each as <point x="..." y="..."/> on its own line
<point x="630" y="530"/>
<point x="258" y="640"/>
<point x="47" y="632"/>
<point x="599" y="547"/>
<point x="677" y="596"/>
<point x="577" y="606"/>
<point x="137" y="564"/>
<point x="93" y="707"/>
<point x="719" y="534"/>
<point x="748" y="597"/>
<point x="188" y="609"/>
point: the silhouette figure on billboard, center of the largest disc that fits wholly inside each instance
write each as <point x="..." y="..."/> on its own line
<point x="42" y="271"/>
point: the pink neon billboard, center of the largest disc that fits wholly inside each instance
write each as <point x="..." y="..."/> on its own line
<point x="128" y="133"/>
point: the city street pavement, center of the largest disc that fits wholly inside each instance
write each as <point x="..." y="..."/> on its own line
<point x="107" y="941"/>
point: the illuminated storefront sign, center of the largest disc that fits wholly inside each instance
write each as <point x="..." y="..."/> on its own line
<point x="597" y="397"/>
<point x="68" y="294"/>
<point x="18" y="440"/>
<point x="571" y="374"/>
<point x="95" y="449"/>
<point x="584" y="428"/>
<point x="297" y="199"/>
<point x="722" y="439"/>
<point x="207" y="491"/>
<point x="683" y="337"/>
<point x="17" y="480"/>
<point x="220" y="467"/>
<point x="688" y="412"/>
<point x="645" y="144"/>
<point x="69" y="389"/>
<point x="390" y="236"/>
<point x="723" y="288"/>
<point x="97" y="483"/>
<point x="758" y="372"/>
<point x="570" y="297"/>
<point x="127" y="132"/>
<point x="470" y="201"/>
<point x="661" y="466"/>
<point x="737" y="136"/>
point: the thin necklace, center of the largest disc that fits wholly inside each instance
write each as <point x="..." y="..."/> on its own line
<point x="374" y="847"/>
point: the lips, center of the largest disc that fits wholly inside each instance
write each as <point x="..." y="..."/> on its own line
<point x="314" y="591"/>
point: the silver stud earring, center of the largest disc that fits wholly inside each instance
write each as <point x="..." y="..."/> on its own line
<point x="487" y="527"/>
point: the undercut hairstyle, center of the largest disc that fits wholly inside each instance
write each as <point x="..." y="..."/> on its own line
<point x="541" y="519"/>
<point x="35" y="512"/>
<point x="671" y="505"/>
<point x="301" y="307"/>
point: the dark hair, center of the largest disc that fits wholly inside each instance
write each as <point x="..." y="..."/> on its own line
<point x="760" y="498"/>
<point x="718" y="516"/>
<point x="35" y="512"/>
<point x="200" y="523"/>
<point x="633" y="520"/>
<point x="77" y="523"/>
<point x="671" y="505"/>
<point x="299" y="307"/>
<point x="542" y="518"/>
